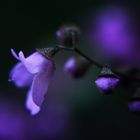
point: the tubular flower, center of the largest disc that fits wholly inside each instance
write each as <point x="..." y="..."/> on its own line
<point x="35" y="71"/>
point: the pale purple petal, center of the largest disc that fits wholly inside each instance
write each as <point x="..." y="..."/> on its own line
<point x="30" y="105"/>
<point x="40" y="86"/>
<point x="33" y="63"/>
<point x="14" y="54"/>
<point x="106" y="83"/>
<point x="41" y="82"/>
<point x="20" y="76"/>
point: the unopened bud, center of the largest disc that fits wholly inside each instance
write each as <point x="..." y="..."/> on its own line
<point x="76" y="67"/>
<point x="68" y="35"/>
<point x="134" y="102"/>
<point x="107" y="81"/>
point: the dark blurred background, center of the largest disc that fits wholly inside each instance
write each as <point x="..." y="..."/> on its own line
<point x="73" y="110"/>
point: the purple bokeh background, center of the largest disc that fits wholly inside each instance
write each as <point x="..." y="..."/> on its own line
<point x="72" y="110"/>
<point x="114" y="33"/>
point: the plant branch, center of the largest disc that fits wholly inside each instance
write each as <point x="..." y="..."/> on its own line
<point x="100" y="66"/>
<point x="88" y="58"/>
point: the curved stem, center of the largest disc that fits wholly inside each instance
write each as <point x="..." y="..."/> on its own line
<point x="100" y="66"/>
<point x="88" y="58"/>
<point x="97" y="64"/>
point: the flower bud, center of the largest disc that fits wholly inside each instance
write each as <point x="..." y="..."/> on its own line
<point x="68" y="35"/>
<point x="76" y="67"/>
<point x="134" y="102"/>
<point x="49" y="52"/>
<point x="107" y="81"/>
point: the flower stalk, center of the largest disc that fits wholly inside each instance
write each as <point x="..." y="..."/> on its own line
<point x="97" y="64"/>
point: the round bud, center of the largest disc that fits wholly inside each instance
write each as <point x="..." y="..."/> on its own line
<point x="107" y="81"/>
<point x="68" y="35"/>
<point x="76" y="67"/>
<point x="134" y="102"/>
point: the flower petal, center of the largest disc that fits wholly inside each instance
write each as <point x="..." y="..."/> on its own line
<point x="30" y="105"/>
<point x="14" y="54"/>
<point x="39" y="87"/>
<point x="20" y="76"/>
<point x="33" y="63"/>
<point x="41" y="82"/>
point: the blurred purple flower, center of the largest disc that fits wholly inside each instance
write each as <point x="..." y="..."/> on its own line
<point x="16" y="124"/>
<point x="35" y="71"/>
<point x="115" y="33"/>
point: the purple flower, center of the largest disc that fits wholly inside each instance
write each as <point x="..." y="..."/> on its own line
<point x="25" y="78"/>
<point x="115" y="34"/>
<point x="35" y="71"/>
